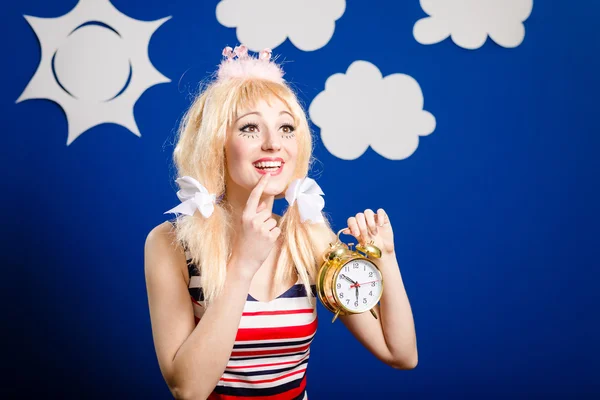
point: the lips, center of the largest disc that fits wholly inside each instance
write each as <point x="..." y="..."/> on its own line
<point x="272" y="165"/>
<point x="278" y="159"/>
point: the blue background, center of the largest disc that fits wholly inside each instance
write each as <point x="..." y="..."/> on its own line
<point x="495" y="215"/>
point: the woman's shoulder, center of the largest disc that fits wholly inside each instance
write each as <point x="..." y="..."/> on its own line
<point x="162" y="248"/>
<point x="161" y="234"/>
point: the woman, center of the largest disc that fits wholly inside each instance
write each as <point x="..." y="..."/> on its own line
<point x="247" y="329"/>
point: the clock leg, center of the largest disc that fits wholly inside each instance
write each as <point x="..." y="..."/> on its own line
<point x="373" y="313"/>
<point x="335" y="316"/>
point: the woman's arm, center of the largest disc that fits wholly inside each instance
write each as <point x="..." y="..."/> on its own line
<point x="192" y="358"/>
<point x="391" y="337"/>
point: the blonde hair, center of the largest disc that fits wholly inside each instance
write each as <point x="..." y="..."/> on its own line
<point x="200" y="153"/>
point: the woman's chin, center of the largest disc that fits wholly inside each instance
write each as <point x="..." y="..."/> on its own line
<point x="277" y="193"/>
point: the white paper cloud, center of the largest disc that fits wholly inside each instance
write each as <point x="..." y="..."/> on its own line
<point x="470" y="22"/>
<point x="267" y="23"/>
<point x="361" y="108"/>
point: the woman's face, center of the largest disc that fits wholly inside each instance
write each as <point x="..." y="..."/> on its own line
<point x="262" y="139"/>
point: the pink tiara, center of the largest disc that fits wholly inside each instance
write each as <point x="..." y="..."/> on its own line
<point x="238" y="64"/>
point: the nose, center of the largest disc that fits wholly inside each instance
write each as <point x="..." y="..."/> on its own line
<point x="271" y="142"/>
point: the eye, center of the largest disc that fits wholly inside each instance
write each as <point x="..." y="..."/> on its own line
<point x="288" y="130"/>
<point x="249" y="128"/>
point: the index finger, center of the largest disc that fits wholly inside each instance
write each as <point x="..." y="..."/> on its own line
<point x="254" y="197"/>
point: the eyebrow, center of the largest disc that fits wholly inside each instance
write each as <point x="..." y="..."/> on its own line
<point x="259" y="114"/>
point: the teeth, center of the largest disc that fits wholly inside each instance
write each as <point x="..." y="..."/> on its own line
<point x="268" y="164"/>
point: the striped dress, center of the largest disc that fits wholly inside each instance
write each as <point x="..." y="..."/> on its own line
<point x="272" y="345"/>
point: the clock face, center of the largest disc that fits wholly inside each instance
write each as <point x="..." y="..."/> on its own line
<point x="358" y="285"/>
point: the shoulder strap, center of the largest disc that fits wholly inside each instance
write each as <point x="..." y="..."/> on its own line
<point x="193" y="270"/>
<point x="174" y="223"/>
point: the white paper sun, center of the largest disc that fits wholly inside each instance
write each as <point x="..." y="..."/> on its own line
<point x="94" y="64"/>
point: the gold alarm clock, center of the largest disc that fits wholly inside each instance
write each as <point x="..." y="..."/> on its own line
<point x="348" y="281"/>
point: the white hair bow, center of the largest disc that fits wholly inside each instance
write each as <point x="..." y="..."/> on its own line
<point x="308" y="195"/>
<point x="193" y="196"/>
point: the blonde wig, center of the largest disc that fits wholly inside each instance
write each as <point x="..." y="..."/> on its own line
<point x="200" y="153"/>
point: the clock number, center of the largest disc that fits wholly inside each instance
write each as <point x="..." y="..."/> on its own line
<point x="341" y="295"/>
<point x="347" y="301"/>
<point x="373" y="284"/>
<point x="371" y="293"/>
<point x="356" y="304"/>
<point x="339" y="285"/>
<point x="364" y="300"/>
<point x="355" y="265"/>
<point x="370" y="274"/>
<point x="347" y="268"/>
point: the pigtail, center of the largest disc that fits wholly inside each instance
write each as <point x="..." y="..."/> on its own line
<point x="299" y="252"/>
<point x="208" y="242"/>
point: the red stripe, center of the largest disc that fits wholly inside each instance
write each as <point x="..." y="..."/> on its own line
<point x="263" y="380"/>
<point x="269" y="352"/>
<point x="283" y="332"/>
<point x="195" y="302"/>
<point x="279" y="312"/>
<point x="267" y="365"/>
<point x="290" y="394"/>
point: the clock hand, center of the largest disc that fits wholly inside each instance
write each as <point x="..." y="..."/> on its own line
<point x="348" y="279"/>
<point x="364" y="283"/>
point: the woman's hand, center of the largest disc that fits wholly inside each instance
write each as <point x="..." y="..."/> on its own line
<point x="369" y="226"/>
<point x="258" y="232"/>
